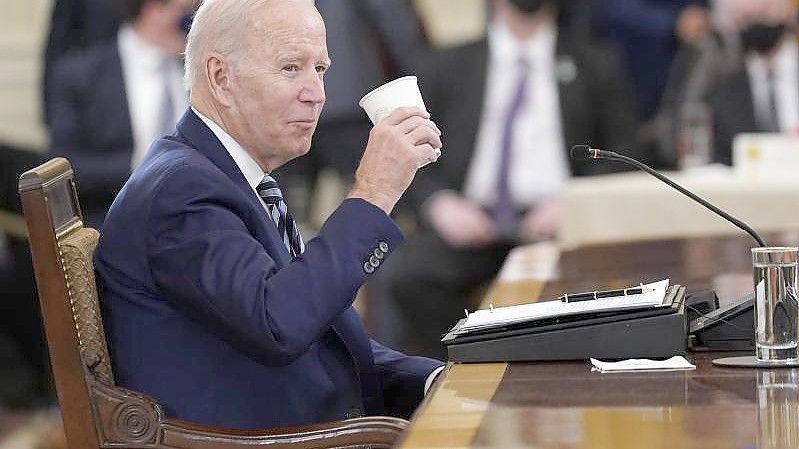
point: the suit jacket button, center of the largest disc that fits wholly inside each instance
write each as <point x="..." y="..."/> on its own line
<point x="368" y="268"/>
<point x="379" y="254"/>
<point x="383" y="246"/>
<point x="374" y="261"/>
<point x="354" y="413"/>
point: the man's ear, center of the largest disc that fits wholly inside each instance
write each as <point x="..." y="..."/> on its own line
<point x="218" y="77"/>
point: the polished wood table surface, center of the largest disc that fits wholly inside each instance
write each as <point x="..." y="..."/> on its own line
<point x="566" y="405"/>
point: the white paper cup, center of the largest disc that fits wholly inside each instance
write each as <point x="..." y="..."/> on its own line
<point x="382" y="101"/>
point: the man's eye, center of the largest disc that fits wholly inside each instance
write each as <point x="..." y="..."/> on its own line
<point x="321" y="68"/>
<point x="291" y="68"/>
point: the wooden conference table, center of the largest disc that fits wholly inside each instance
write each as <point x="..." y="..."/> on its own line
<point x="565" y="405"/>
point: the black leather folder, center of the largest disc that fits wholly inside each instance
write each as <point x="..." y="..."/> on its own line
<point x="654" y="332"/>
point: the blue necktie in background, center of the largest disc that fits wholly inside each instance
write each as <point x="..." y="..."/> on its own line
<point x="269" y="191"/>
<point x="504" y="211"/>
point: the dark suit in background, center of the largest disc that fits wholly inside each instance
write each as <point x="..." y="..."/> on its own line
<point x="431" y="282"/>
<point x="90" y="124"/>
<point x="644" y="31"/>
<point x="75" y="25"/>
<point x="207" y="312"/>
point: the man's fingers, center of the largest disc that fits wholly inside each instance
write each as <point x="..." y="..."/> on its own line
<point x="427" y="154"/>
<point x="423" y="135"/>
<point x="403" y="113"/>
<point x="409" y="125"/>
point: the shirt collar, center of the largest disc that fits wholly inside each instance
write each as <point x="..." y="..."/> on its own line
<point x="538" y="48"/>
<point x="249" y="168"/>
<point x="146" y="55"/>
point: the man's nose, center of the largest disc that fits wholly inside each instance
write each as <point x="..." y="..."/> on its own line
<point x="313" y="89"/>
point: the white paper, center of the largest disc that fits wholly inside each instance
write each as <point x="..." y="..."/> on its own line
<point x="677" y="362"/>
<point x="499" y="316"/>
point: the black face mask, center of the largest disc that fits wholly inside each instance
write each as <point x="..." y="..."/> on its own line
<point x="529" y="6"/>
<point x="761" y="38"/>
<point x="184" y="23"/>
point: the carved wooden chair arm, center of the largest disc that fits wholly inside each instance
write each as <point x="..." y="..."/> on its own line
<point x="131" y="420"/>
<point x="370" y="432"/>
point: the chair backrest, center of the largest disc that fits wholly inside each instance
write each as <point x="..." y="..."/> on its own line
<point x="62" y="250"/>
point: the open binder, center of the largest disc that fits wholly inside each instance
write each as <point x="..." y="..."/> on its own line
<point x="651" y="328"/>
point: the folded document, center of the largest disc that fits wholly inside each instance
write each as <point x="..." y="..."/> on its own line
<point x="502" y="316"/>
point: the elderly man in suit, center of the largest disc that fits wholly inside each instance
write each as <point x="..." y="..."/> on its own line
<point x="511" y="106"/>
<point x="108" y="102"/>
<point x="762" y="94"/>
<point x="215" y="306"/>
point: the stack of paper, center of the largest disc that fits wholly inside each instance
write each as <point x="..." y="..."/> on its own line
<point x="503" y="316"/>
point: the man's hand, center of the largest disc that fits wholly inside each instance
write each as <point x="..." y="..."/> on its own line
<point x="459" y="222"/>
<point x="541" y="222"/>
<point x="397" y="147"/>
<point x="692" y="23"/>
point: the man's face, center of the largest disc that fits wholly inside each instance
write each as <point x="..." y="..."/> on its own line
<point x="277" y="86"/>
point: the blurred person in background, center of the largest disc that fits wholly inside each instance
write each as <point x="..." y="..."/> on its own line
<point x="684" y="123"/>
<point x="108" y="102"/>
<point x="511" y="106"/>
<point x="762" y="94"/>
<point x="370" y="41"/>
<point x="648" y="34"/>
<point x="75" y="25"/>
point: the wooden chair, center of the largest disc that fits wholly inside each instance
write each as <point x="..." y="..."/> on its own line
<point x="96" y="412"/>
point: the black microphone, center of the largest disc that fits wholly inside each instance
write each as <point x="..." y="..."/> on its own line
<point x="584" y="152"/>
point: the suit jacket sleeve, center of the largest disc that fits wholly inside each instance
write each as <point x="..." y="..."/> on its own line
<point x="402" y="378"/>
<point x="98" y="170"/>
<point x="398" y="27"/>
<point x="203" y="257"/>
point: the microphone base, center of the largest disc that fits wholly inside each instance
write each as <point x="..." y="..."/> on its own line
<point x="751" y="361"/>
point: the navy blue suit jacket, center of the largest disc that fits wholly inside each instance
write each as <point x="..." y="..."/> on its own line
<point x="206" y="312"/>
<point x="90" y="124"/>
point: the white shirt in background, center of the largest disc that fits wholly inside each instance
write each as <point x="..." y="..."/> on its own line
<point x="786" y="77"/>
<point x="142" y="71"/>
<point x="539" y="168"/>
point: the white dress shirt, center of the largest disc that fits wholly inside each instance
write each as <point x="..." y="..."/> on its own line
<point x="142" y="71"/>
<point x="539" y="168"/>
<point x="249" y="168"/>
<point x="785" y="66"/>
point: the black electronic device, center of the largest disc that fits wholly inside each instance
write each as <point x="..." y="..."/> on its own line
<point x="727" y="328"/>
<point x="654" y="332"/>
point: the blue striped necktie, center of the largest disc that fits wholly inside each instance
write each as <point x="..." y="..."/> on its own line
<point x="269" y="191"/>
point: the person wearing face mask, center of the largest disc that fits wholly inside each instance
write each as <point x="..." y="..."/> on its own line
<point x="762" y="95"/>
<point x="511" y="105"/>
<point x="108" y="102"/>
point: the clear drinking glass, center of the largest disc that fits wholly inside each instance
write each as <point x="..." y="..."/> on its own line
<point x="694" y="135"/>
<point x="775" y="279"/>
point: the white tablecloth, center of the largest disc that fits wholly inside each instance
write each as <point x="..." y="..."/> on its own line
<point x="636" y="206"/>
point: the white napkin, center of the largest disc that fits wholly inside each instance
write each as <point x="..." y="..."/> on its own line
<point x="675" y="363"/>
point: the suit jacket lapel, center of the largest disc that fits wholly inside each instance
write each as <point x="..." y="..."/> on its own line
<point x="473" y="78"/>
<point x="192" y="128"/>
<point x="114" y="120"/>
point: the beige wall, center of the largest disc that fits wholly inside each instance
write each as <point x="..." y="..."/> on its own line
<point x="23" y="27"/>
<point x="452" y="22"/>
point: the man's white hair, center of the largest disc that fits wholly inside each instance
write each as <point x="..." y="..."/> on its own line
<point x="219" y="26"/>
